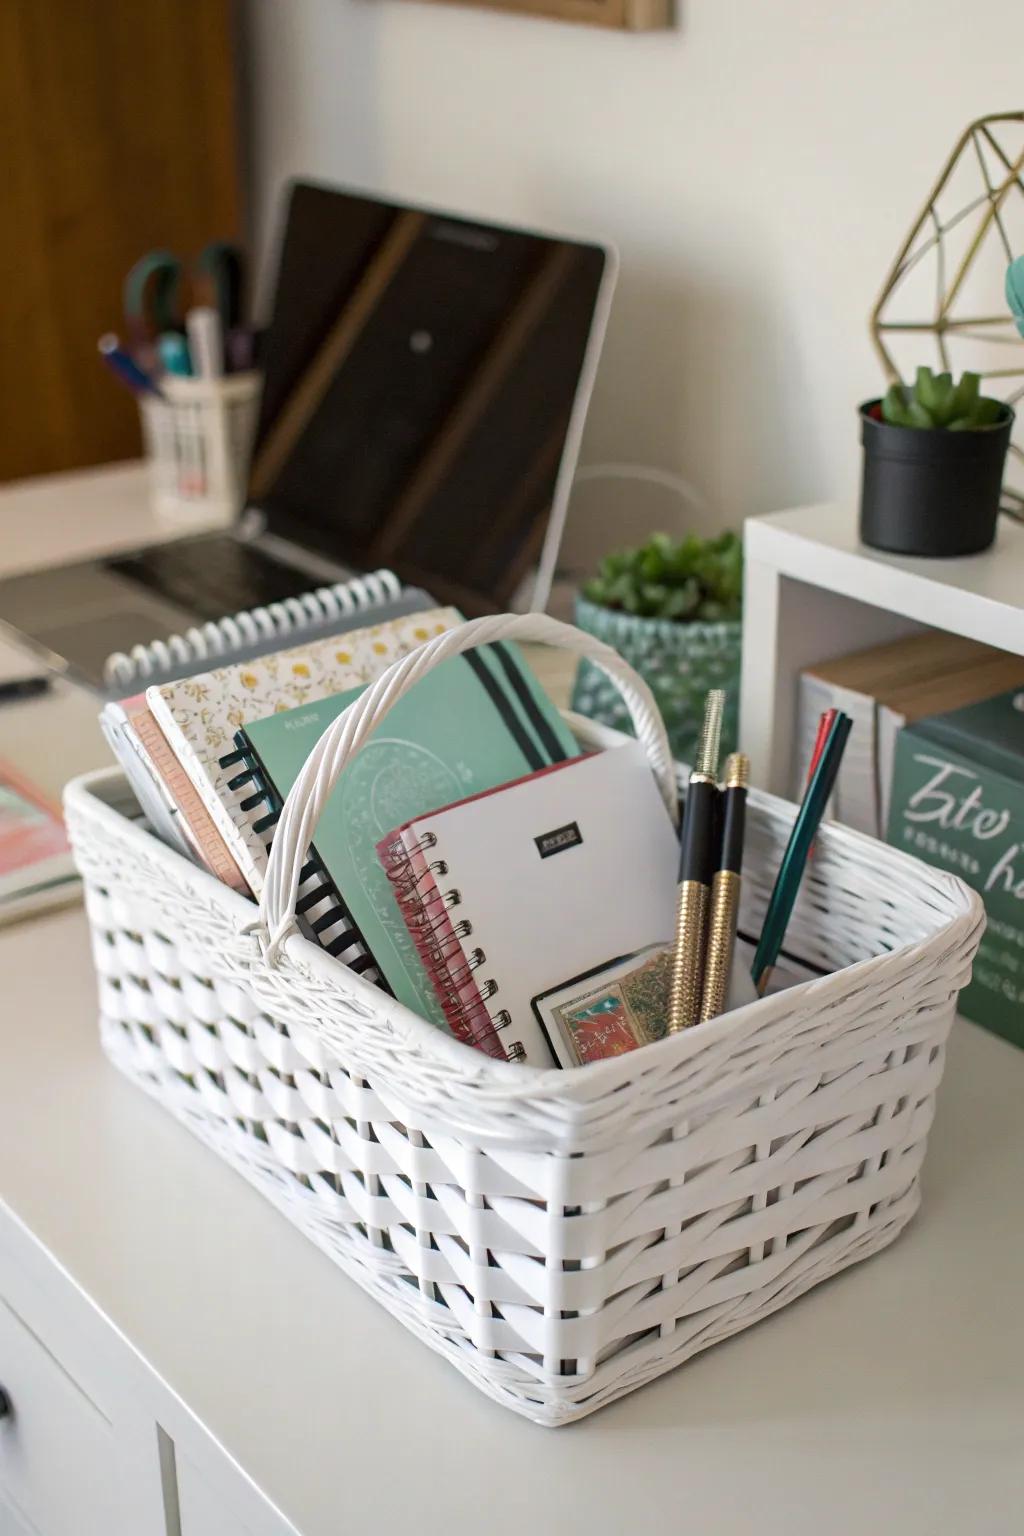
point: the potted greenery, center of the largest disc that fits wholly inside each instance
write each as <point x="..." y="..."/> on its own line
<point x="934" y="454"/>
<point x="672" y="609"/>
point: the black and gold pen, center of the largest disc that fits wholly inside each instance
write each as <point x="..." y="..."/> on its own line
<point x="725" y="889"/>
<point x="696" y="868"/>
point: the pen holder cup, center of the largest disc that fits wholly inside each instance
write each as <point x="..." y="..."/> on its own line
<point x="197" y="440"/>
<point x="561" y="1237"/>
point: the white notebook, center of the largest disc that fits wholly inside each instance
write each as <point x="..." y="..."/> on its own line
<point x="540" y="881"/>
<point x="882" y="690"/>
<point x="200" y="715"/>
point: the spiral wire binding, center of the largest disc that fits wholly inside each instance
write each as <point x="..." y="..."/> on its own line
<point x="425" y="908"/>
<point x="214" y="641"/>
<point x="321" y="912"/>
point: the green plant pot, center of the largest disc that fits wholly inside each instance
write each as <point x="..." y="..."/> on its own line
<point x="679" y="663"/>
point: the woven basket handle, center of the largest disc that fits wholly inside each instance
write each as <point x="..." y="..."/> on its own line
<point x="344" y="737"/>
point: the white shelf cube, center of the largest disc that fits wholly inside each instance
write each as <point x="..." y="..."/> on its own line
<point x="812" y="591"/>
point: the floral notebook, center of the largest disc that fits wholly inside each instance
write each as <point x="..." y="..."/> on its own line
<point x="200" y="715"/>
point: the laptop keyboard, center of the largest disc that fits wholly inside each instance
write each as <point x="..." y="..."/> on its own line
<point x="213" y="577"/>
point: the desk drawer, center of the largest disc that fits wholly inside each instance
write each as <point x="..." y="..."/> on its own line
<point x="57" y="1455"/>
<point x="202" y="1510"/>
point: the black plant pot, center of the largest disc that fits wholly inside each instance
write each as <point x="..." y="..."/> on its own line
<point x="930" y="492"/>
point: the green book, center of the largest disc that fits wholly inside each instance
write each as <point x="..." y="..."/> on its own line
<point x="473" y="723"/>
<point x="958" y="802"/>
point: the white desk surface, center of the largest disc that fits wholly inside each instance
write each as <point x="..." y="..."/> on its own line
<point x="890" y="1399"/>
<point x="54" y="518"/>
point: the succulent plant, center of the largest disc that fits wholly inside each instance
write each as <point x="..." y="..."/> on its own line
<point x="934" y="401"/>
<point x="688" y="579"/>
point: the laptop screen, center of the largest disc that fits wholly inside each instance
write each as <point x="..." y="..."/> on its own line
<point x="420" y="374"/>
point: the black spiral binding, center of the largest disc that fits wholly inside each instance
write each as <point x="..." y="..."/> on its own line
<point x="439" y="941"/>
<point x="321" y="912"/>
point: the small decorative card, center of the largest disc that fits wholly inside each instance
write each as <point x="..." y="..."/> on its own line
<point x="621" y="1005"/>
<point x="609" y="1011"/>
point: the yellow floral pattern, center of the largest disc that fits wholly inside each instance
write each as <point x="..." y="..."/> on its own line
<point x="201" y="714"/>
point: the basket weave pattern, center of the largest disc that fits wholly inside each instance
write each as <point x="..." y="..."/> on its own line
<point x="562" y="1237"/>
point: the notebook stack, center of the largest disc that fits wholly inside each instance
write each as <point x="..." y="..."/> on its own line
<point x="882" y="690"/>
<point x="456" y="849"/>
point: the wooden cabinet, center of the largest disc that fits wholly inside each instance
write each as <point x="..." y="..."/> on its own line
<point x="117" y="122"/>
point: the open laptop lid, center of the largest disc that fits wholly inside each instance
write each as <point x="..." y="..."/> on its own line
<point x="426" y="383"/>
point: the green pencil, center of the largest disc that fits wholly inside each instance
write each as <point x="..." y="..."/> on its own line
<point x="794" y="860"/>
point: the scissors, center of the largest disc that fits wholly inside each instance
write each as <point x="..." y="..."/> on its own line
<point x="153" y="289"/>
<point x="220" y="264"/>
<point x="152" y="295"/>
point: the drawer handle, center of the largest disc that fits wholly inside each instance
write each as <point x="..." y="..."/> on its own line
<point x="6" y="1406"/>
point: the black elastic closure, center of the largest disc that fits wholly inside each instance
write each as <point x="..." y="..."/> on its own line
<point x="500" y="700"/>
<point x="534" y="715"/>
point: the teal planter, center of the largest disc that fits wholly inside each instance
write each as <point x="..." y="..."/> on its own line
<point x="679" y="663"/>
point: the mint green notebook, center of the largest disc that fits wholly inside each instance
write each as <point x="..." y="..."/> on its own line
<point x="474" y="722"/>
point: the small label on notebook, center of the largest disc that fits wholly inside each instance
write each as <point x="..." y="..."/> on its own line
<point x="557" y="841"/>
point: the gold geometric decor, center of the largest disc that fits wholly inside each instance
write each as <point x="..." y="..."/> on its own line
<point x="943" y="300"/>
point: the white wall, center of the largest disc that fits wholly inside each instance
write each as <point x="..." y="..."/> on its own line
<point x="756" y="167"/>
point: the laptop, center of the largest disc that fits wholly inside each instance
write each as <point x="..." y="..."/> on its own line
<point x="426" y="381"/>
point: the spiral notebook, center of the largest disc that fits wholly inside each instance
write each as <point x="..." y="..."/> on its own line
<point x="322" y="914"/>
<point x="242" y="636"/>
<point x="199" y="715"/>
<point x="470" y="723"/>
<point x="507" y="893"/>
<point x="409" y="859"/>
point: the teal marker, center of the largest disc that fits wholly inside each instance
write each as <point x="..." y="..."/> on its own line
<point x="174" y="354"/>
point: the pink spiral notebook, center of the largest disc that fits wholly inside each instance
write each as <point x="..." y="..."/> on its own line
<point x="509" y="893"/>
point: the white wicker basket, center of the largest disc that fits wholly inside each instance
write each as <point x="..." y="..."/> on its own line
<point x="561" y="1237"/>
<point x="197" y="440"/>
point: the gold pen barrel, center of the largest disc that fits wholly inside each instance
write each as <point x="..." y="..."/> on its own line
<point x="686" y="976"/>
<point x="725" y="890"/>
<point x="696" y="862"/>
<point x="724" y="906"/>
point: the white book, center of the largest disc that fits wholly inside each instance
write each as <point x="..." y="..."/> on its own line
<point x="152" y="794"/>
<point x="165" y="793"/>
<point x="540" y="881"/>
<point x="883" y="689"/>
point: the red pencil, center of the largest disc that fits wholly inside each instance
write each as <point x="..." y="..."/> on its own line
<point x="824" y="726"/>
